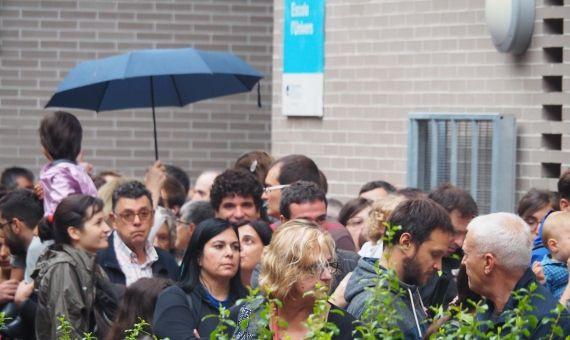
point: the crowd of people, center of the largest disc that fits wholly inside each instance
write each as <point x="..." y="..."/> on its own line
<point x="106" y="251"/>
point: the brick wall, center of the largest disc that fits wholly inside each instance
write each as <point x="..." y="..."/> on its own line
<point x="41" y="40"/>
<point x="385" y="59"/>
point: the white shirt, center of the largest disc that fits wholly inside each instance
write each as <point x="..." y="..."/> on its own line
<point x="129" y="263"/>
<point x="371" y="250"/>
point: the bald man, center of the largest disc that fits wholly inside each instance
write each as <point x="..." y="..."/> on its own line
<point x="201" y="190"/>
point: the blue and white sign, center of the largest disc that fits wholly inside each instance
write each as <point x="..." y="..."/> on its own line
<point x="303" y="57"/>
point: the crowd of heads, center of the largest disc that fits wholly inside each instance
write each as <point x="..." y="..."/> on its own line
<point x="270" y="223"/>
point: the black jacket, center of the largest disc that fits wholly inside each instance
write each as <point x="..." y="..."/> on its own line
<point x="177" y="313"/>
<point x="165" y="266"/>
<point x="442" y="289"/>
<point x="543" y="303"/>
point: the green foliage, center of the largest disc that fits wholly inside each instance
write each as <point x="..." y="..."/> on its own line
<point x="460" y="322"/>
<point x="268" y="306"/>
<point x="3" y="320"/>
<point x="223" y="323"/>
<point x="518" y="322"/>
<point x="64" y="329"/>
<point x="138" y="330"/>
<point x="319" y="327"/>
<point x="379" y="319"/>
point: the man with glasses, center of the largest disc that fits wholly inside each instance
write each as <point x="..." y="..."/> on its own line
<point x="192" y="213"/>
<point x="130" y="255"/>
<point x="283" y="172"/>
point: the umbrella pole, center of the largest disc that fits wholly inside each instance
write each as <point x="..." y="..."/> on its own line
<point x="153" y="120"/>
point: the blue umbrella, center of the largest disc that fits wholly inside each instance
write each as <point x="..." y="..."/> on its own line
<point x="153" y="78"/>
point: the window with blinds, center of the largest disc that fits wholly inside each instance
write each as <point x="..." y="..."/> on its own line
<point x="476" y="152"/>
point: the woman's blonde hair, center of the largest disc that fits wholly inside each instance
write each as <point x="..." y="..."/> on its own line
<point x="379" y="214"/>
<point x="293" y="250"/>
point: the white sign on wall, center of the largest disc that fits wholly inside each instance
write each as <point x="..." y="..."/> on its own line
<point x="303" y="58"/>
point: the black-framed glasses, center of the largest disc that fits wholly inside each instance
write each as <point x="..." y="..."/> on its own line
<point x="129" y="216"/>
<point x="181" y="221"/>
<point x="318" y="268"/>
<point x="2" y="225"/>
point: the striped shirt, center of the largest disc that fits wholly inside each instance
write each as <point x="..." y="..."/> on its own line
<point x="129" y="263"/>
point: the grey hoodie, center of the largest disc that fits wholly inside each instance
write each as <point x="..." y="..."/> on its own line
<point x="409" y="305"/>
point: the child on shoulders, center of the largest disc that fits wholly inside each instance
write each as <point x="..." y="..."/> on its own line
<point x="60" y="136"/>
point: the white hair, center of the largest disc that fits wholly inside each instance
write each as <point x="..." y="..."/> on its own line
<point x="505" y="235"/>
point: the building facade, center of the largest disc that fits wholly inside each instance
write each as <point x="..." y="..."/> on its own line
<point x="387" y="58"/>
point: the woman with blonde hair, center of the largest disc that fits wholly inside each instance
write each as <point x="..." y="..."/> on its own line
<point x="379" y="214"/>
<point x="300" y="258"/>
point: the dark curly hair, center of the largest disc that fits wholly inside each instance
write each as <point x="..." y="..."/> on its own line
<point x="236" y="182"/>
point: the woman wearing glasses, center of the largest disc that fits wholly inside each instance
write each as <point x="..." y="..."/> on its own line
<point x="299" y="258"/>
<point x="209" y="278"/>
<point x="67" y="277"/>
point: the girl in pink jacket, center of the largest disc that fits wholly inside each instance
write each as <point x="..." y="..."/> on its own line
<point x="60" y="136"/>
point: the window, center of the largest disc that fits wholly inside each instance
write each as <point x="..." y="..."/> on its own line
<point x="476" y="152"/>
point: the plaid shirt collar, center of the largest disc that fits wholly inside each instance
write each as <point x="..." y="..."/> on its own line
<point x="125" y="256"/>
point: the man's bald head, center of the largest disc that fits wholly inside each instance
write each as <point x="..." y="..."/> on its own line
<point x="201" y="190"/>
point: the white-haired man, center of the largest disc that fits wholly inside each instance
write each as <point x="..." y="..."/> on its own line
<point x="497" y="253"/>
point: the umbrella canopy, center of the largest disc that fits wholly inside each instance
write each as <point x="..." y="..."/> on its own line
<point x="153" y="78"/>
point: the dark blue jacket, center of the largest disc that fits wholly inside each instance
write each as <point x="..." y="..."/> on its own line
<point x="543" y="303"/>
<point x="165" y="266"/>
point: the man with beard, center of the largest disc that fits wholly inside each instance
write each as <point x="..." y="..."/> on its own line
<point x="20" y="212"/>
<point x="414" y="253"/>
<point x="236" y="196"/>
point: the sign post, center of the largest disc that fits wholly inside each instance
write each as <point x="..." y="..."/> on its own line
<point x="303" y="58"/>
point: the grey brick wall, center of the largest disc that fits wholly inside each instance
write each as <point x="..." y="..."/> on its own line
<point x="41" y="40"/>
<point x="387" y="58"/>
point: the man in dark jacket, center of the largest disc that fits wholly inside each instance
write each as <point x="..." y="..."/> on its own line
<point x="497" y="254"/>
<point x="441" y="288"/>
<point x="414" y="252"/>
<point x="130" y="255"/>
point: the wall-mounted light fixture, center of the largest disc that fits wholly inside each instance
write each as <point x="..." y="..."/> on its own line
<point x="511" y="23"/>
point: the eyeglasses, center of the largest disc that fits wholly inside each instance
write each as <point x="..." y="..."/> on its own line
<point x="181" y="221"/>
<point x="318" y="268"/>
<point x="2" y="225"/>
<point x="275" y="187"/>
<point x="129" y="216"/>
